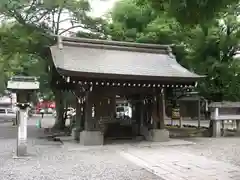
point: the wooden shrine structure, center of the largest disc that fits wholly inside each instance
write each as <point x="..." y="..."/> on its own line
<point x="98" y="70"/>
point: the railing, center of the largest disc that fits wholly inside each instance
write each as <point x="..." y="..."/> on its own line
<point x="218" y="121"/>
<point x="228" y="117"/>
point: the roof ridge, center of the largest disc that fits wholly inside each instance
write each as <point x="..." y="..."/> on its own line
<point x="113" y="47"/>
<point x="167" y="48"/>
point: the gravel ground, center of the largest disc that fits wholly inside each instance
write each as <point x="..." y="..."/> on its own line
<point x="51" y="161"/>
<point x="225" y="149"/>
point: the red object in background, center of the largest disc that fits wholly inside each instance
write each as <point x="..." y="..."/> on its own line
<point x="45" y="105"/>
<point x="52" y="105"/>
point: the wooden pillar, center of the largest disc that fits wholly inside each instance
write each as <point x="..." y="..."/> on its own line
<point x="155" y="113"/>
<point x="92" y="107"/>
<point x="97" y="111"/>
<point x="83" y="105"/>
<point x="88" y="112"/>
<point x="145" y="113"/>
<point x="142" y="111"/>
<point x="78" y="114"/>
<point x="90" y="135"/>
<point x="161" y="110"/>
<point x="141" y="126"/>
<point x="113" y="105"/>
<point x="138" y="113"/>
<point x="158" y="111"/>
<point x="158" y="133"/>
<point x="149" y="108"/>
<point x="238" y="126"/>
<point x="199" y="112"/>
<point x="134" y="110"/>
<point x="78" y="124"/>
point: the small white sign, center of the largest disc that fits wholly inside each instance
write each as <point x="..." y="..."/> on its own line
<point x="23" y="85"/>
<point x="22" y="128"/>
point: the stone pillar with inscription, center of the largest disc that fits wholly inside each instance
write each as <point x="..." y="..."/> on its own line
<point x="22" y="129"/>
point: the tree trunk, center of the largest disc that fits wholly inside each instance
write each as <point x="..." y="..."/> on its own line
<point x="59" y="122"/>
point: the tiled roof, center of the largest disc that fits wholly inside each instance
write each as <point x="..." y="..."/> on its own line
<point x="117" y="58"/>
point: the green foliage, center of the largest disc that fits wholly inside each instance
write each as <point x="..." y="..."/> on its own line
<point x="20" y="51"/>
<point x="207" y="49"/>
<point x="213" y="55"/>
<point x="192" y="12"/>
<point x="24" y="42"/>
<point x="134" y="17"/>
<point x="149" y="27"/>
<point x="27" y="32"/>
<point x="129" y="20"/>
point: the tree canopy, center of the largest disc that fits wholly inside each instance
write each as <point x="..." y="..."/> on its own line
<point x="192" y="12"/>
<point x="208" y="50"/>
<point x="28" y="28"/>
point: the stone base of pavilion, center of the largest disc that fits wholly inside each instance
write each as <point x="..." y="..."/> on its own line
<point x="95" y="138"/>
<point x="88" y="138"/>
<point x="91" y="138"/>
<point x="155" y="135"/>
<point x="159" y="135"/>
<point x="76" y="134"/>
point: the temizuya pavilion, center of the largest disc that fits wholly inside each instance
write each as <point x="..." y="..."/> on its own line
<point x="98" y="70"/>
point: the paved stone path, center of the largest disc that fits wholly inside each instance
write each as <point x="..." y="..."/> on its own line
<point x="172" y="164"/>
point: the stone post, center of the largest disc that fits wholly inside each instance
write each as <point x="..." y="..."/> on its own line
<point x="22" y="133"/>
<point x="22" y="117"/>
<point x="216" y="126"/>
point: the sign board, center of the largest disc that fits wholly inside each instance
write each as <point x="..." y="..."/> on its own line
<point x="23" y="83"/>
<point x="176" y="113"/>
<point x="22" y="128"/>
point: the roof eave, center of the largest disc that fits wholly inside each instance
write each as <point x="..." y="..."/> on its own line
<point x="105" y="76"/>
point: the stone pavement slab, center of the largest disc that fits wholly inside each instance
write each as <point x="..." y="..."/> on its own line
<point x="172" y="164"/>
